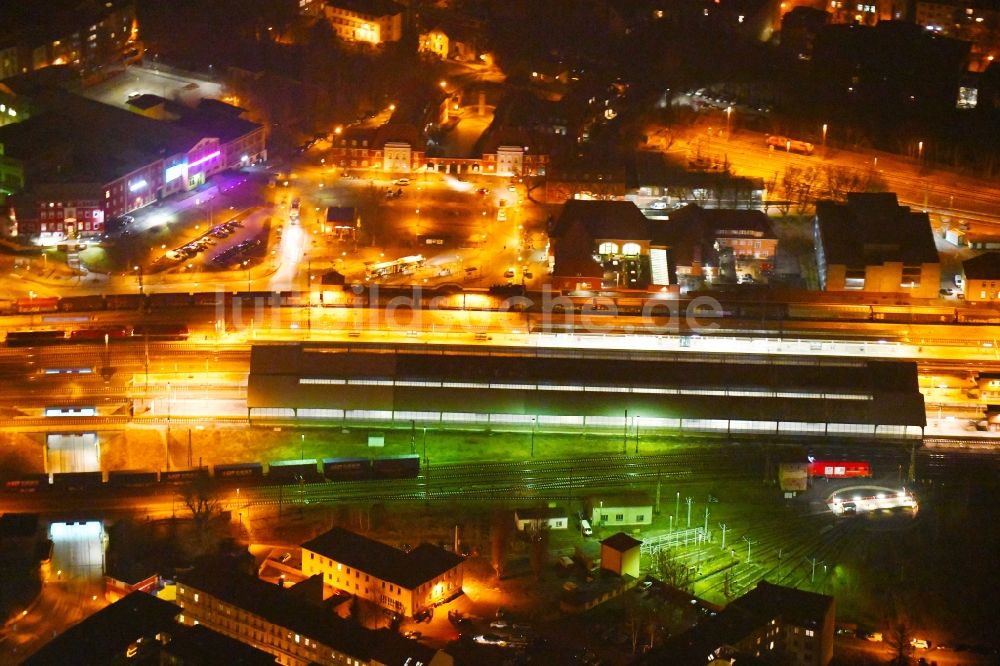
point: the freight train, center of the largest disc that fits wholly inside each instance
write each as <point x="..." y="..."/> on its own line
<point x="151" y="332"/>
<point x="276" y="473"/>
<point x="454" y="297"/>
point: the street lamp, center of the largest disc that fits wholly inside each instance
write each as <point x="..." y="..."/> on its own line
<point x="138" y="272"/>
<point x="246" y="265"/>
<point x="824" y="135"/>
<point x="729" y="113"/>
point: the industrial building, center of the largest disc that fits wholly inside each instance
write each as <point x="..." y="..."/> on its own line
<point x="573" y="390"/>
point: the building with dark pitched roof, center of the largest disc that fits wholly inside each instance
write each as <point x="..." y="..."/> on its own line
<point x="402" y="582"/>
<point x="982" y="278"/>
<point x="609" y="238"/>
<point x="693" y="245"/>
<point x="843" y="397"/>
<point x="129" y="629"/>
<point x="769" y="624"/>
<point x="292" y="623"/>
<point x="82" y="162"/>
<point x="620" y="554"/>
<point x="368" y="21"/>
<point x="200" y="646"/>
<point x="873" y="244"/>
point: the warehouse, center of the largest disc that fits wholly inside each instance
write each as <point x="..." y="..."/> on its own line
<point x="570" y="389"/>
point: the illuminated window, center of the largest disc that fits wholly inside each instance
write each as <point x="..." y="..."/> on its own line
<point x="630" y="249"/>
<point x="607" y="248"/>
<point x="810" y="633"/>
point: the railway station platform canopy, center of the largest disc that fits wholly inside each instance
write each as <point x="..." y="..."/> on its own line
<point x="574" y="389"/>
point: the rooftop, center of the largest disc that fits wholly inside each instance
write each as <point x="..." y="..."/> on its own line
<point x="540" y="512"/>
<point x="390" y="564"/>
<point x="986" y="266"/>
<point x="549" y="381"/>
<point x="298" y="608"/>
<point x="621" y="542"/>
<point x="620" y="220"/>
<point x="105" y="636"/>
<point x="872" y="229"/>
<point x="199" y="645"/>
<point x="368" y="7"/>
<point x="798" y="607"/>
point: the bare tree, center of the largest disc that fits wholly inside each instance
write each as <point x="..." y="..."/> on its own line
<point x="669" y="569"/>
<point x="538" y="542"/>
<point x="500" y="533"/>
<point x="199" y="498"/>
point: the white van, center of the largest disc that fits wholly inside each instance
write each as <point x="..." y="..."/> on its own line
<point x="586" y="528"/>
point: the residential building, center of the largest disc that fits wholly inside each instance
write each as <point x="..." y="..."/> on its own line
<point x="617" y="510"/>
<point x="541" y="518"/>
<point x="128" y="631"/>
<point x="292" y="623"/>
<point x="342" y="221"/>
<point x="620" y="555"/>
<point x="974" y="21"/>
<point x="874" y="245"/>
<point x="90" y="36"/>
<point x="715" y="245"/>
<point x="982" y="278"/>
<point x="199" y="646"/>
<point x="611" y="245"/>
<point x="870" y="68"/>
<point x="81" y="163"/>
<point x="435" y="41"/>
<point x="603" y="244"/>
<point x="770" y="624"/>
<point x="368" y="21"/>
<point x="805" y="619"/>
<point x="402" y="582"/>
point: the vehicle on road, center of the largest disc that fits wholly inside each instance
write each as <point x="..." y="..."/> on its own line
<point x="789" y="145"/>
<point x="659" y="204"/>
<point x="401" y="182"/>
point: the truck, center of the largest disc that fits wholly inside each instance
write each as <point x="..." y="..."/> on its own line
<point x="839" y="469"/>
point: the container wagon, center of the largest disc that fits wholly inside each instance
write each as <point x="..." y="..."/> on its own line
<point x="77" y="481"/>
<point x="32" y="338"/>
<point x="347" y="469"/>
<point x="30" y="483"/>
<point x="161" y="332"/>
<point x="292" y="470"/>
<point x="397" y="467"/>
<point x="239" y="471"/>
<point x="132" y="478"/>
<point x="183" y="475"/>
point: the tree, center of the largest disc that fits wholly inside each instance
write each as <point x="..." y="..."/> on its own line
<point x="669" y="569"/>
<point x="898" y="639"/>
<point x="538" y="542"/>
<point x="199" y="498"/>
<point x="499" y="541"/>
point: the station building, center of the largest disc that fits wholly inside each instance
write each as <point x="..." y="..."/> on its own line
<point x="575" y="390"/>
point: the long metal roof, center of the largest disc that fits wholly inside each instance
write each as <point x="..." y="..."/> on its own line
<point x="574" y="383"/>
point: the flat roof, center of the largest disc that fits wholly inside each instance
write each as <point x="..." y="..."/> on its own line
<point x="536" y="383"/>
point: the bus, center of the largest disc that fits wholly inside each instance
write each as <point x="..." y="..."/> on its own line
<point x="403" y="266"/>
<point x="789" y="145"/>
